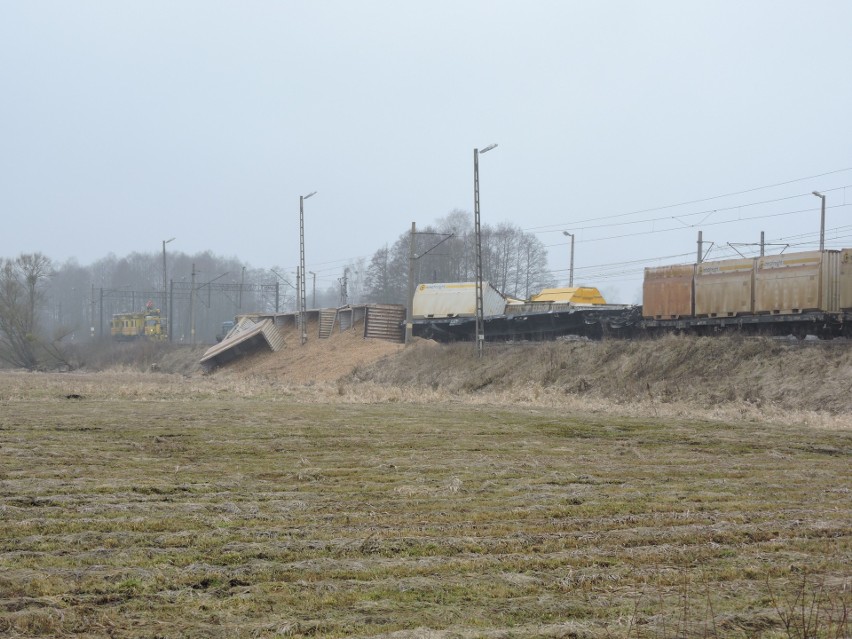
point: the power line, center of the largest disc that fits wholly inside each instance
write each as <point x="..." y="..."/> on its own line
<point x="639" y="261"/>
<point x="553" y="228"/>
<point x="706" y="212"/>
<point x="668" y="230"/>
<point x="614" y="269"/>
<point x="698" y="201"/>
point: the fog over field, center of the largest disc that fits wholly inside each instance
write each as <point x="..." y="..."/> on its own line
<point x="632" y="126"/>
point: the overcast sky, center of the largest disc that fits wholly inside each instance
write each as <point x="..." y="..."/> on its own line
<point x="126" y="123"/>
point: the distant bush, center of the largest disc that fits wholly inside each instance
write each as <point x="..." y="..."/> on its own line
<point x="142" y="356"/>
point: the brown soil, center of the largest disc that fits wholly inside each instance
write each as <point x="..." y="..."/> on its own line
<point x="318" y="360"/>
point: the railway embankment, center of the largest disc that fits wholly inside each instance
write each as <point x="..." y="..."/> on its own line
<point x="698" y="377"/>
<point x="753" y="376"/>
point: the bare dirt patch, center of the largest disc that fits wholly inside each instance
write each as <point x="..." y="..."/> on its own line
<point x="318" y="360"/>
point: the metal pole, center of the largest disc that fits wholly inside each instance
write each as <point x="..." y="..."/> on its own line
<point x="164" y="276"/>
<point x="171" y="307"/>
<point x="571" y="272"/>
<point x="700" y="247"/>
<point x="303" y="311"/>
<point x="480" y="318"/>
<point x="165" y="290"/>
<point x="298" y="299"/>
<point x="480" y="313"/>
<point x="192" y="307"/>
<point x="761" y="244"/>
<point x="301" y="282"/>
<point x="101" y="315"/>
<point x="571" y="263"/>
<point x="277" y="285"/>
<point x="409" y="319"/>
<point x="821" y="221"/>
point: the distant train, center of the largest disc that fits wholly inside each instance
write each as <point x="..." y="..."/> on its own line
<point x="142" y="325"/>
<point x="795" y="293"/>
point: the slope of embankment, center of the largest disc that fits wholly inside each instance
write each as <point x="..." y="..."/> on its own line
<point x="753" y="374"/>
<point x="751" y="378"/>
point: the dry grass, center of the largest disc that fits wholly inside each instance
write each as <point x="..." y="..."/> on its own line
<point x="242" y="506"/>
<point x="712" y="378"/>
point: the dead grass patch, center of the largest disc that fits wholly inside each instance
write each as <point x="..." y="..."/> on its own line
<point x="248" y="507"/>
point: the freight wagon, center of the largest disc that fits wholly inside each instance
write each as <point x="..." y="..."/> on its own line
<point x="447" y="312"/>
<point x="804" y="292"/>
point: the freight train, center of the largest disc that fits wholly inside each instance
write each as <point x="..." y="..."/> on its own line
<point x="804" y="293"/>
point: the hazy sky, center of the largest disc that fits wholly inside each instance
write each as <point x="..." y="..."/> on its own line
<point x="126" y="123"/>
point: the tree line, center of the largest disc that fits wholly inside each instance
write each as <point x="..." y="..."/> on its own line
<point x="514" y="261"/>
<point x="45" y="306"/>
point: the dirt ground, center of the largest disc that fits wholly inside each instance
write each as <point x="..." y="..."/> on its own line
<point x="317" y="361"/>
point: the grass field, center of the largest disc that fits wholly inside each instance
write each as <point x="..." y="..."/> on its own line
<point x="186" y="508"/>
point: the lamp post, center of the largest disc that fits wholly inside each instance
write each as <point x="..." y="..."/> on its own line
<point x="821" y="221"/>
<point x="303" y="313"/>
<point x="166" y="291"/>
<point x="480" y="314"/>
<point x="571" y="267"/>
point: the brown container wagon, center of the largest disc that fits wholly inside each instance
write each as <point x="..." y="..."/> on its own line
<point x="667" y="292"/>
<point x="724" y="288"/>
<point x="797" y="283"/>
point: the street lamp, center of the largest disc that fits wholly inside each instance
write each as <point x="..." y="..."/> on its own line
<point x="571" y="268"/>
<point x="166" y="291"/>
<point x="480" y="314"/>
<point x="303" y="313"/>
<point x="821" y="221"/>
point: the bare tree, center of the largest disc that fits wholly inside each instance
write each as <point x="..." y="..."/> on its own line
<point x="513" y="261"/>
<point x="22" y="282"/>
<point x="378" y="280"/>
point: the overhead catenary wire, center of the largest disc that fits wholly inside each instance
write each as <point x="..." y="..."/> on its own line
<point x="688" y="202"/>
<point x="705" y="224"/>
<point x="636" y="267"/>
<point x="330" y="266"/>
<point x="705" y="212"/>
